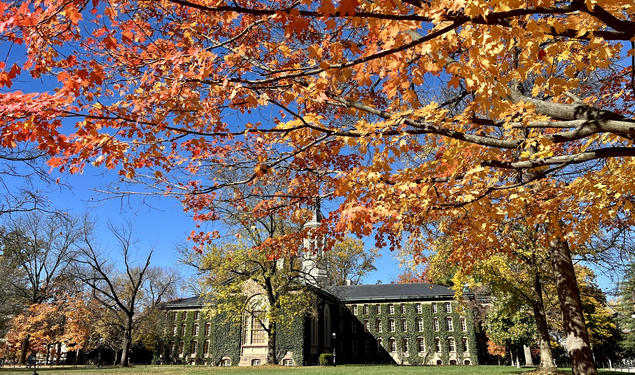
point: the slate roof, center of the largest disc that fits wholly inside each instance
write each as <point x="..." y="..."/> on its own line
<point x="184" y="303"/>
<point x="391" y="292"/>
<point x="354" y="293"/>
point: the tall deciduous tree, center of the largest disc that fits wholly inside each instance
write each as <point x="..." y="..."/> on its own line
<point x="349" y="261"/>
<point x="408" y="111"/>
<point x="39" y="250"/>
<point x="125" y="294"/>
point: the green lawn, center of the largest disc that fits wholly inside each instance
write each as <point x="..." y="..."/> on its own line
<point x="265" y="370"/>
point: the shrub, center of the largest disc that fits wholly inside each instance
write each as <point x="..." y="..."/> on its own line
<point x="326" y="359"/>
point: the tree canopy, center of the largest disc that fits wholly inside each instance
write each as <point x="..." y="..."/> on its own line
<point x="466" y="113"/>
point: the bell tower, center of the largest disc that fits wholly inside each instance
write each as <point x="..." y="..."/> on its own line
<point x="313" y="262"/>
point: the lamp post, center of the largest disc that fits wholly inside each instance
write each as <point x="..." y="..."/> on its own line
<point x="334" y="353"/>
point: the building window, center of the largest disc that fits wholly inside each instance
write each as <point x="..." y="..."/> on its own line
<point x="367" y="345"/>
<point x="182" y="332"/>
<point x="404" y="325"/>
<point x="225" y="362"/>
<point x="437" y="344"/>
<point x="172" y="349"/>
<point x="208" y="328"/>
<point x="451" y="346"/>
<point x="195" y="329"/>
<point x="287" y="362"/>
<point x="467" y="362"/>
<point x="380" y="344"/>
<point x="255" y="362"/>
<point x="404" y="345"/>
<point x="448" y="307"/>
<point x="419" y="325"/>
<point x="391" y="325"/>
<point x="463" y="325"/>
<point x="392" y="344"/>
<point x="257" y="331"/>
<point x="378" y="325"/>
<point x="193" y="347"/>
<point x="366" y="325"/>
<point x="354" y="309"/>
<point x="464" y="344"/>
<point x="377" y="309"/>
<point x="173" y="317"/>
<point x="403" y="308"/>
<point x="418" y="308"/>
<point x="391" y="309"/>
<point x="181" y="347"/>
<point x="174" y="330"/>
<point x="434" y="307"/>
<point x="206" y="347"/>
<point x="365" y="309"/>
<point x="314" y="331"/>
<point x="196" y="315"/>
<point x="435" y="324"/>
<point x="449" y="324"/>
<point x="421" y="345"/>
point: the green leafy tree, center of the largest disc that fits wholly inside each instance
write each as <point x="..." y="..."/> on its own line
<point x="510" y="324"/>
<point x="348" y="260"/>
<point x="245" y="283"/>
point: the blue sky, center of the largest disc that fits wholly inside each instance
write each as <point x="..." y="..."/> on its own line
<point x="158" y="222"/>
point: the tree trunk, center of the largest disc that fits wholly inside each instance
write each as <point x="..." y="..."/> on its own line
<point x="58" y="353"/>
<point x="546" y="356"/>
<point x="24" y="348"/>
<point x="127" y="340"/>
<point x="572" y="315"/>
<point x="271" y="344"/>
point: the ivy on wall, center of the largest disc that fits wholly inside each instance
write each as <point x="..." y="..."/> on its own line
<point x="411" y="356"/>
<point x="293" y="336"/>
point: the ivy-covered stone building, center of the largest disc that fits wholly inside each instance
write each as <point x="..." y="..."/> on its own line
<point x="409" y="324"/>
<point x="386" y="323"/>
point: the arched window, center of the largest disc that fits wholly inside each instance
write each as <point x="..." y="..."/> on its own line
<point x="404" y="325"/>
<point x="464" y="344"/>
<point x="378" y="325"/>
<point x="208" y="328"/>
<point x="419" y="325"/>
<point x="327" y="326"/>
<point x="206" y="347"/>
<point x="463" y="324"/>
<point x="255" y="321"/>
<point x="195" y="329"/>
<point x="182" y="332"/>
<point x="448" y="307"/>
<point x="404" y="345"/>
<point x="421" y="344"/>
<point x="392" y="345"/>
<point x="437" y="344"/>
<point x="435" y="324"/>
<point x="193" y="347"/>
<point x="391" y="325"/>
<point x="449" y="324"/>
<point x="451" y="345"/>
<point x="391" y="309"/>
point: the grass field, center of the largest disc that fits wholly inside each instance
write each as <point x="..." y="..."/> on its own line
<point x="266" y="370"/>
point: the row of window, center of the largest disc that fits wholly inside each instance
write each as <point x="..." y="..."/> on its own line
<point x="449" y="325"/>
<point x="195" y="330"/>
<point x="402" y="307"/>
<point x="421" y="345"/>
<point x="173" y="315"/>
<point x="193" y="348"/>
